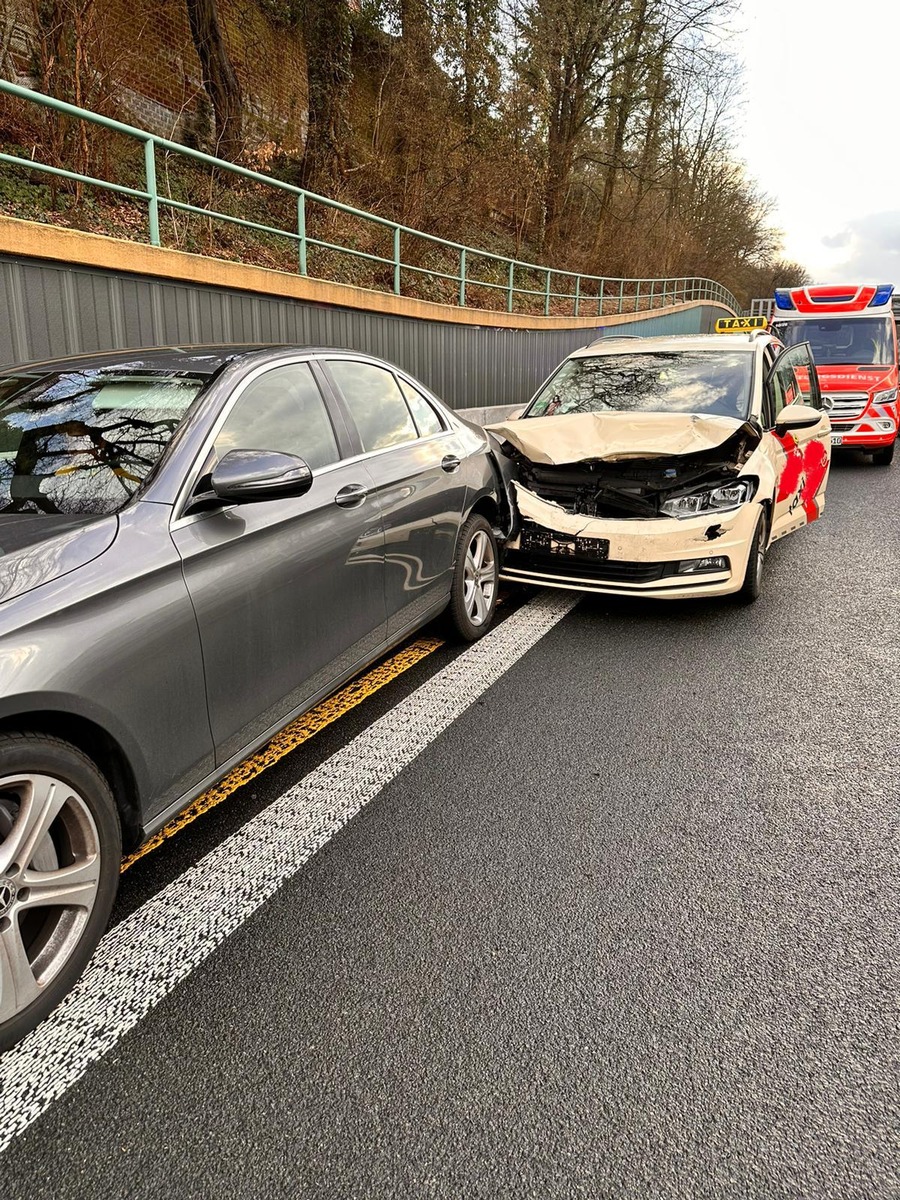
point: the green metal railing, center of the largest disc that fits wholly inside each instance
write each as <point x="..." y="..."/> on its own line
<point x="586" y="295"/>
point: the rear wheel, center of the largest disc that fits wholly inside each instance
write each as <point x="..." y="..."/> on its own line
<point x="476" y="576"/>
<point x="885" y="456"/>
<point x="752" y="585"/>
<point x="60" y="852"/>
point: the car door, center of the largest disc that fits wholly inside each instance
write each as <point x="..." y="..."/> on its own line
<point x="801" y="457"/>
<point x="289" y="593"/>
<point x="416" y="464"/>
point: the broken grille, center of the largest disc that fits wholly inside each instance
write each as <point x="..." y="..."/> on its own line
<point x="606" y="571"/>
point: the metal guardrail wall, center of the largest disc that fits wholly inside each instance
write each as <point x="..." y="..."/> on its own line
<point x="589" y="295"/>
<point x="50" y="309"/>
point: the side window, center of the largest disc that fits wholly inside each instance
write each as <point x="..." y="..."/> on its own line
<point x="427" y="420"/>
<point x="794" y="379"/>
<point x="375" y="402"/>
<point x="768" y="402"/>
<point x="782" y="385"/>
<point x="282" y="410"/>
<point x="768" y="406"/>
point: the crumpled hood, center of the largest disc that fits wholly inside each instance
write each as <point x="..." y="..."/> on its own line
<point x="577" y="437"/>
<point x="36" y="548"/>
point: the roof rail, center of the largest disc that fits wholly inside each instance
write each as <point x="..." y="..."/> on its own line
<point x="617" y="337"/>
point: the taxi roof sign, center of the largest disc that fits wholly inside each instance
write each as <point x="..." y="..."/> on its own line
<point x="741" y="324"/>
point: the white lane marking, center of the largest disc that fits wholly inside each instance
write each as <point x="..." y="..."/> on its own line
<point x="146" y="955"/>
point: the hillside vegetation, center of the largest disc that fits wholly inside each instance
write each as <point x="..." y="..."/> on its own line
<point x="590" y="135"/>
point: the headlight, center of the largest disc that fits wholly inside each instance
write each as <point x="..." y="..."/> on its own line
<point x="729" y="495"/>
<point x="888" y="397"/>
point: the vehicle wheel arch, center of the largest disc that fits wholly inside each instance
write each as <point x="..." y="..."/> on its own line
<point x="99" y="745"/>
<point x="487" y="507"/>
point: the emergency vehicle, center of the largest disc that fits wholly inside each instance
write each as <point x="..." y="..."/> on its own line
<point x="853" y="337"/>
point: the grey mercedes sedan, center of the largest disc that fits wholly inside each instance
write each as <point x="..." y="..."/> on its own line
<point x="197" y="545"/>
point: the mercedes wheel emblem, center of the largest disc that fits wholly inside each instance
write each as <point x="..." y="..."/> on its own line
<point x="7" y="894"/>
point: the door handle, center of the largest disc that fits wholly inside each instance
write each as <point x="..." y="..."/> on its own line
<point x="351" y="496"/>
<point x="450" y="463"/>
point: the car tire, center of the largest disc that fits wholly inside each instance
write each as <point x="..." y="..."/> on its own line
<point x="752" y="585"/>
<point x="56" y="808"/>
<point x="884" y="457"/>
<point x="476" y="578"/>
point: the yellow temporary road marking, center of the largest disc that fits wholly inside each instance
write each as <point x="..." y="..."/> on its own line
<point x="291" y="737"/>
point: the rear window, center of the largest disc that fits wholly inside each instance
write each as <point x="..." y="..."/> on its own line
<point x="83" y="442"/>
<point x="375" y="402"/>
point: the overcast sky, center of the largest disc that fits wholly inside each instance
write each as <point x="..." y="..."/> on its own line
<point x="820" y="130"/>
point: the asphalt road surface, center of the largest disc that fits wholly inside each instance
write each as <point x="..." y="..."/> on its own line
<point x="617" y="917"/>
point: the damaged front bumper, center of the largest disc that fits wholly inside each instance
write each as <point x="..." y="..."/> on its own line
<point x="660" y="557"/>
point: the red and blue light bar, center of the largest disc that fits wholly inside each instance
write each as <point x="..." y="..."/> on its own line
<point x="833" y="299"/>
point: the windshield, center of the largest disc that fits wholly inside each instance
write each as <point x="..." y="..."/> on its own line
<point x="81" y="443"/>
<point x="715" y="382"/>
<point x="845" y="341"/>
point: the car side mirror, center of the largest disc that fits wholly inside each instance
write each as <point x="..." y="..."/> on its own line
<point x="247" y="476"/>
<point x="797" y="416"/>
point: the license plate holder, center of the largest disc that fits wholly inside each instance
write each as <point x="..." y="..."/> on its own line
<point x="563" y="545"/>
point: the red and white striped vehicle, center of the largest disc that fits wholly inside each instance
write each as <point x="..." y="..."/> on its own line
<point x="851" y="332"/>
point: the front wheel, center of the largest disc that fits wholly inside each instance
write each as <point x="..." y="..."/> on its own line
<point x="885" y="456"/>
<point x="752" y="585"/>
<point x="60" y="852"/>
<point x="476" y="577"/>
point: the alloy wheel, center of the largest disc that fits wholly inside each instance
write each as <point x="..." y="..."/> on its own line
<point x="479" y="578"/>
<point x="50" y="868"/>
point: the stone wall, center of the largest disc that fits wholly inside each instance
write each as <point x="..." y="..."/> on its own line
<point x="147" y="67"/>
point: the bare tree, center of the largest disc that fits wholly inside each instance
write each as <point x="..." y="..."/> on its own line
<point x="329" y="42"/>
<point x="219" y="78"/>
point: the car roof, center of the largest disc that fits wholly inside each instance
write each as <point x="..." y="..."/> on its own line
<point x="684" y="342"/>
<point x="200" y="360"/>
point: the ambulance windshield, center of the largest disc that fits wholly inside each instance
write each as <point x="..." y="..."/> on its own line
<point x="845" y="341"/>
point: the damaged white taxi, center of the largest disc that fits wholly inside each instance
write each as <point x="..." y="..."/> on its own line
<point x="665" y="467"/>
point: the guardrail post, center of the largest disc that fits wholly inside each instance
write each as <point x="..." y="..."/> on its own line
<point x="301" y="230"/>
<point x="547" y="296"/>
<point x="652" y="289"/>
<point x="509" y="286"/>
<point x="397" y="259"/>
<point x="621" y="295"/>
<point x="601" y="289"/>
<point x="577" y="294"/>
<point x="637" y="296"/>
<point x="462" y="277"/>
<point x="150" y="188"/>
